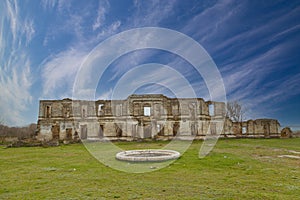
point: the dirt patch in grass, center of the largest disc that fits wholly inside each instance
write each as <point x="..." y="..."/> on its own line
<point x="289" y="156"/>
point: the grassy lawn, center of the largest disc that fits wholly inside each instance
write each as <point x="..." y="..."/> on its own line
<point x="235" y="169"/>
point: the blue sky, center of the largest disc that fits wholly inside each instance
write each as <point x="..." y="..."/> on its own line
<point x="254" y="44"/>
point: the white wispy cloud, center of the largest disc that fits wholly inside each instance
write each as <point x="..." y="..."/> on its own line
<point x="101" y="14"/>
<point x="106" y="95"/>
<point x="250" y="53"/>
<point x="15" y="85"/>
<point x="215" y="27"/>
<point x="100" y="18"/>
<point x="59" y="72"/>
<point x="66" y="21"/>
<point x="149" y="76"/>
<point x="127" y="62"/>
<point x="28" y="30"/>
<point x="87" y="25"/>
<point x="3" y="41"/>
<point x="206" y="25"/>
<point x="151" y="13"/>
<point x="256" y="69"/>
<point x="48" y="4"/>
<point x="285" y="32"/>
<point x="106" y="32"/>
<point x="267" y="98"/>
<point x="220" y="28"/>
<point x="15" y="66"/>
<point x="12" y="16"/>
<point x="250" y="81"/>
<point x="18" y="25"/>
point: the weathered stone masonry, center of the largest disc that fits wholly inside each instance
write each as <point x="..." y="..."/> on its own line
<point x="143" y="116"/>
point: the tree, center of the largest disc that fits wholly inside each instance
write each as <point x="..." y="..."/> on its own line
<point x="235" y="111"/>
<point x="3" y="130"/>
<point x="20" y="132"/>
<point x="2" y="127"/>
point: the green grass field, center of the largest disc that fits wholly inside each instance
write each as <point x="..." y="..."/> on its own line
<point x="235" y="169"/>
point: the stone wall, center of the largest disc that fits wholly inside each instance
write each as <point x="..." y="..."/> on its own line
<point x="140" y="117"/>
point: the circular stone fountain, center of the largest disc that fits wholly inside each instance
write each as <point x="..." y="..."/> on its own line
<point x="147" y="155"/>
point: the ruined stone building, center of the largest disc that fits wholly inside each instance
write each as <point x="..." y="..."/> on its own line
<point x="144" y="116"/>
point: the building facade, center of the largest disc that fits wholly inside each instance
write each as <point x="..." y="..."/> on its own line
<point x="144" y="116"/>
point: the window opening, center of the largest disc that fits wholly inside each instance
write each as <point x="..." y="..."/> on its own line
<point x="211" y="109"/>
<point x="244" y="130"/>
<point x="147" y="111"/>
<point x="100" y="109"/>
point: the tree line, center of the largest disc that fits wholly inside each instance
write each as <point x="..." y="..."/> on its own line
<point x="20" y="132"/>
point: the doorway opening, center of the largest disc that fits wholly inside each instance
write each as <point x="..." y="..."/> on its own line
<point x="83" y="131"/>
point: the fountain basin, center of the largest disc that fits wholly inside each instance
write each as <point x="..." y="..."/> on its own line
<point x="147" y="155"/>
